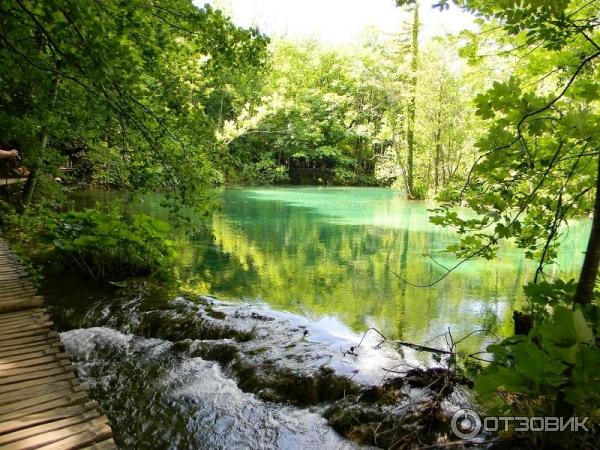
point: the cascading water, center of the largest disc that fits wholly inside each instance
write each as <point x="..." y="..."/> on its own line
<point x="197" y="372"/>
<point x="161" y="399"/>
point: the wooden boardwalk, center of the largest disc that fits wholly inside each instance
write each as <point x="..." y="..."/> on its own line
<point x="42" y="404"/>
<point x="8" y="181"/>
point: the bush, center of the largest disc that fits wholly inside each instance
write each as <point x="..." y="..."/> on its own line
<point x="106" y="246"/>
<point x="554" y="366"/>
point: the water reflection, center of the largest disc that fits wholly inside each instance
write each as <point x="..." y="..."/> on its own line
<point x="327" y="252"/>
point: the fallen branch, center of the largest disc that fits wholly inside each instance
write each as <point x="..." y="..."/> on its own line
<point x="424" y="348"/>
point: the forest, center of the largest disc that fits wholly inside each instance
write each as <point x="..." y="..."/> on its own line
<point x="439" y="193"/>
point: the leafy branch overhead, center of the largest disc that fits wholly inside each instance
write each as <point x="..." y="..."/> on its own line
<point x="131" y="81"/>
<point x="538" y="158"/>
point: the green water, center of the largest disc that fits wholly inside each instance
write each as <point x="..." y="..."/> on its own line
<point x="328" y="252"/>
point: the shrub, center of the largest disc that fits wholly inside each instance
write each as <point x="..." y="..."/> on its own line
<point x="106" y="246"/>
<point x="552" y="368"/>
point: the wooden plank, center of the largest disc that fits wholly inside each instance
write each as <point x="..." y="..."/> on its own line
<point x="27" y="340"/>
<point x="45" y="428"/>
<point x="23" y="321"/>
<point x="42" y="403"/>
<point x="6" y="366"/>
<point x="30" y="420"/>
<point x="26" y="330"/>
<point x="8" y="282"/>
<point x="22" y="313"/>
<point x="34" y="347"/>
<point x="58" y="376"/>
<point x="28" y="355"/>
<point x="40" y="312"/>
<point x="46" y="388"/>
<point x="32" y="331"/>
<point x="20" y="321"/>
<point x="6" y="270"/>
<point x="99" y="432"/>
<point x="15" y="277"/>
<point x="22" y="347"/>
<point x="16" y="289"/>
<point x="39" y="399"/>
<point x="69" y="437"/>
<point x="11" y="280"/>
<point x="34" y="373"/>
<point x="109" y="444"/>
<point x="26" y="371"/>
<point x="30" y="324"/>
<point x="19" y="305"/>
<point x="17" y="293"/>
<point x="65" y="400"/>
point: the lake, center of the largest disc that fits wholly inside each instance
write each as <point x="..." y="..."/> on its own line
<point x="331" y="252"/>
<point x="279" y="289"/>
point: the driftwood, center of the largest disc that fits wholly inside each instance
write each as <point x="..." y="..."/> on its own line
<point x="423" y="348"/>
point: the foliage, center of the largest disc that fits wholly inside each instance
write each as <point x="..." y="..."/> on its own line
<point x="559" y="356"/>
<point x="339" y="116"/>
<point x="172" y="97"/>
<point x="537" y="168"/>
<point x="305" y="123"/>
<point x="105" y="246"/>
<point x="132" y="92"/>
<point x="537" y="161"/>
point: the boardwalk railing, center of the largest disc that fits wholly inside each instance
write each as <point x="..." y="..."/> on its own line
<point x="42" y="403"/>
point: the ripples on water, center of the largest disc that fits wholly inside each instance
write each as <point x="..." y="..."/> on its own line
<point x="163" y="400"/>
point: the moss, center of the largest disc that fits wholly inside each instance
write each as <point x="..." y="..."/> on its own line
<point x="176" y="327"/>
<point x="269" y="395"/>
<point x="382" y="395"/>
<point x="355" y="421"/>
<point x="181" y="346"/>
<point x="222" y="352"/>
<point x="215" y="314"/>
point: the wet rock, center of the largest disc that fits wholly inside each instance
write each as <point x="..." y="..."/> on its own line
<point x="437" y="379"/>
<point x="264" y="318"/>
<point x="387" y="394"/>
<point x="223" y="351"/>
<point x="181" y="346"/>
<point x="215" y="314"/>
<point x="174" y="326"/>
<point x="357" y="422"/>
<point x="287" y="359"/>
<point x="293" y="386"/>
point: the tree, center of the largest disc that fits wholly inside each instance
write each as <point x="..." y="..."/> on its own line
<point x="127" y="83"/>
<point x="311" y="124"/>
<point x="410" y="134"/>
<point x="538" y="166"/>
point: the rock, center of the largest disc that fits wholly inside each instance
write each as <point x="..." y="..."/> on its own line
<point x="181" y="346"/>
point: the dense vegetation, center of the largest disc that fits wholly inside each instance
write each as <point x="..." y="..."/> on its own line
<point x="133" y="91"/>
<point x="177" y="98"/>
<point x="165" y="96"/>
<point x="537" y="167"/>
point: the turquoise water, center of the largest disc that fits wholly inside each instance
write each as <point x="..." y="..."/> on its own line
<point x="331" y="252"/>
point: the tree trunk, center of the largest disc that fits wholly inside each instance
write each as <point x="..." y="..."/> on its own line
<point x="589" y="270"/>
<point x="412" y="103"/>
<point x="34" y="174"/>
<point x="437" y="158"/>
